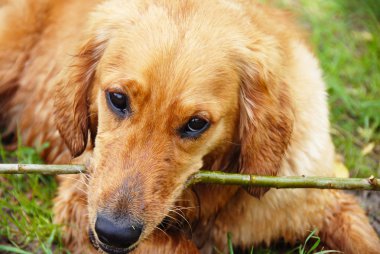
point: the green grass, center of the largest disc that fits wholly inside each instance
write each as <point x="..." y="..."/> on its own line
<point x="26" y="208"/>
<point x="345" y="35"/>
<point x="312" y="244"/>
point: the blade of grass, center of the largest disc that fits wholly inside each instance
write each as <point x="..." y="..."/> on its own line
<point x="13" y="250"/>
<point x="229" y="242"/>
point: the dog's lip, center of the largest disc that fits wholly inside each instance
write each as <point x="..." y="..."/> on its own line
<point x="114" y="250"/>
<point x="107" y="248"/>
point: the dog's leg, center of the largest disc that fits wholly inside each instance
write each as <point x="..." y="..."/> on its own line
<point x="292" y="215"/>
<point x="70" y="211"/>
<point x="346" y="227"/>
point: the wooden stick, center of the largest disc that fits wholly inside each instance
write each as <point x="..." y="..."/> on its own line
<point x="41" y="169"/>
<point x="281" y="182"/>
<point x="215" y="177"/>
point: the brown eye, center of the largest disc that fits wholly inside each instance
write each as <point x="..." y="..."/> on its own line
<point x="196" y="124"/>
<point x="194" y="127"/>
<point x="119" y="103"/>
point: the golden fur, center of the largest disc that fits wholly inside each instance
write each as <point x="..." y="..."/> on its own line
<point x="240" y="65"/>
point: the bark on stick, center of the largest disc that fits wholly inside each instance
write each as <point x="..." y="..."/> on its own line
<point x="215" y="177"/>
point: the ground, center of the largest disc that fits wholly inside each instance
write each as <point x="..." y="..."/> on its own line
<point x="344" y="34"/>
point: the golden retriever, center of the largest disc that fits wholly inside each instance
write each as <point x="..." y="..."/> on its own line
<point x="146" y="93"/>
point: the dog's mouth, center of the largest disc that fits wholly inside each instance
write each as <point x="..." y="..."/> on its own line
<point x="98" y="245"/>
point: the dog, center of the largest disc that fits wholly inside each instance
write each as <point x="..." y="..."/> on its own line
<point x="147" y="93"/>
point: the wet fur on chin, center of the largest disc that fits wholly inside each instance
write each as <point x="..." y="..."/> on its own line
<point x="242" y="66"/>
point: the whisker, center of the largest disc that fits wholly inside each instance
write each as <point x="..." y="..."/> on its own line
<point x="171" y="217"/>
<point x="184" y="208"/>
<point x="163" y="231"/>
<point x="80" y="180"/>
<point x="183" y="217"/>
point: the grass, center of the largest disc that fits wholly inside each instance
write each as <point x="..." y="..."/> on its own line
<point x="312" y="244"/>
<point x="345" y="35"/>
<point x="25" y="208"/>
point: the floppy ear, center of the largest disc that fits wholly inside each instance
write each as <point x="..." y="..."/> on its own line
<point x="266" y="123"/>
<point x="73" y="93"/>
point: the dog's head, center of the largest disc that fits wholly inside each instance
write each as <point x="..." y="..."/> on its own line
<point x="160" y="89"/>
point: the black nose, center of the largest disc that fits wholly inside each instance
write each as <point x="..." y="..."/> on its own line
<point x="121" y="235"/>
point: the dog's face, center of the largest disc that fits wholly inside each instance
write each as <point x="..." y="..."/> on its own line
<point x="158" y="117"/>
<point x="158" y="97"/>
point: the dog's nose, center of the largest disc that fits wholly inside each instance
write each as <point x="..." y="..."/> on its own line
<point x="121" y="235"/>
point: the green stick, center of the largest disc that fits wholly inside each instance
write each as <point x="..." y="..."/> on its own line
<point x="281" y="182"/>
<point x="216" y="177"/>
<point x="41" y="169"/>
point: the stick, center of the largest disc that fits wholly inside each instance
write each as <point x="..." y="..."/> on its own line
<point x="216" y="177"/>
<point x="41" y="169"/>
<point x="278" y="182"/>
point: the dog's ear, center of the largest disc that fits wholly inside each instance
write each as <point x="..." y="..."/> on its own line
<point x="266" y="123"/>
<point x="73" y="94"/>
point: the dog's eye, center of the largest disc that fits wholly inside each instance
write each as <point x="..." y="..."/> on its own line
<point x="194" y="127"/>
<point x="119" y="103"/>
